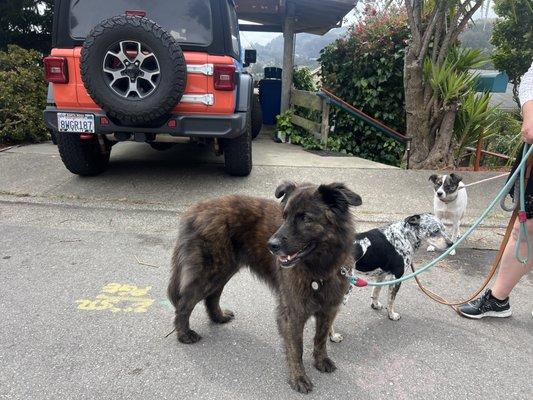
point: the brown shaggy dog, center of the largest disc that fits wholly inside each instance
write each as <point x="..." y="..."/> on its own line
<point x="311" y="235"/>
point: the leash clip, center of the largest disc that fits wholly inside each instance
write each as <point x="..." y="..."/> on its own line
<point x="353" y="280"/>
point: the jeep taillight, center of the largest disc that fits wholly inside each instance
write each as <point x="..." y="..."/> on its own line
<point x="224" y="77"/>
<point x="55" y="69"/>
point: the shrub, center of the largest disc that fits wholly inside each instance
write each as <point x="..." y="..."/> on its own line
<point x="303" y="79"/>
<point x="22" y="96"/>
<point x="287" y="131"/>
<point x="504" y="134"/>
<point x="365" y="68"/>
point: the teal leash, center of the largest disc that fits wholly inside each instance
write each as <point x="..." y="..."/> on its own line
<point x="523" y="235"/>
<point x="520" y="173"/>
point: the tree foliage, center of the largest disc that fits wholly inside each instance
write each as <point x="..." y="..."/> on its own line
<point x="26" y="23"/>
<point x="513" y="39"/>
<point x="22" y="96"/>
<point x="365" y="68"/>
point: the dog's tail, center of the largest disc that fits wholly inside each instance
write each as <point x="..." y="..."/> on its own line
<point x="173" y="290"/>
<point x="179" y="261"/>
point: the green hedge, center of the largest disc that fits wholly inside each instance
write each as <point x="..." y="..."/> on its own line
<point x="365" y="68"/>
<point x="22" y="96"/>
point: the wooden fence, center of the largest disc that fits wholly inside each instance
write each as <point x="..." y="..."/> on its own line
<point x="310" y="101"/>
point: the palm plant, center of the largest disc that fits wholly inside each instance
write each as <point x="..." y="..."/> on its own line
<point x="474" y="119"/>
<point x="452" y="79"/>
<point x="454" y="84"/>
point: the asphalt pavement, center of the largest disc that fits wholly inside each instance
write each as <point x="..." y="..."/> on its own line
<point x="84" y="265"/>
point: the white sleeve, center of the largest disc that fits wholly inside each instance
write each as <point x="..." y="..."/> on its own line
<point x="525" y="91"/>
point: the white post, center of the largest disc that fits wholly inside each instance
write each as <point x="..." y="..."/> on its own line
<point x="288" y="57"/>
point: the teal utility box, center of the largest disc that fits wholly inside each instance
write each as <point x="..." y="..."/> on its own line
<point x="494" y="82"/>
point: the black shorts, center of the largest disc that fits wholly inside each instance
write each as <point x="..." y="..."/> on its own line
<point x="529" y="187"/>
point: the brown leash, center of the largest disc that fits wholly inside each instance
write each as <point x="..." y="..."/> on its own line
<point x="455" y="303"/>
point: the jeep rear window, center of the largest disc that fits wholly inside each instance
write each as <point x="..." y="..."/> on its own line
<point x="188" y="21"/>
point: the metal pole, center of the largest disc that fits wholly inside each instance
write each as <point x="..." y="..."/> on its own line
<point x="477" y="163"/>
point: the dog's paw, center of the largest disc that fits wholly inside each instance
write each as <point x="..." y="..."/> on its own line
<point x="376" y="305"/>
<point x="431" y="249"/>
<point x="394" y="316"/>
<point x="452" y="253"/>
<point x="223" y="317"/>
<point x="189" y="337"/>
<point x="325" y="365"/>
<point x="301" y="384"/>
<point x="336" y="337"/>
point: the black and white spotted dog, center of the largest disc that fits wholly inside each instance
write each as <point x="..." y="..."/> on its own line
<point x="388" y="251"/>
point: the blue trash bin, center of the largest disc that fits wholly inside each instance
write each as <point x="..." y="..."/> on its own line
<point x="270" y="99"/>
<point x="272" y="72"/>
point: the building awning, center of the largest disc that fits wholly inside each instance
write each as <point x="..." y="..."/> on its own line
<point x="310" y="16"/>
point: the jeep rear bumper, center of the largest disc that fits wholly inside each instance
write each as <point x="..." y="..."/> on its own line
<point x="190" y="125"/>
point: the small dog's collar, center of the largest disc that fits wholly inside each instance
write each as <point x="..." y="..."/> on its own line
<point x="446" y="201"/>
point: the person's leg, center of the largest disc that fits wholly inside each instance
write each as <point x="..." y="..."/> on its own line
<point x="511" y="270"/>
<point x="495" y="302"/>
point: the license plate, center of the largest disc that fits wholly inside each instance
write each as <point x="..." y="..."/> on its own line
<point x="80" y="123"/>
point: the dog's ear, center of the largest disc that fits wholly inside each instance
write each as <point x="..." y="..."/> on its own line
<point x="338" y="197"/>
<point x="413" y="220"/>
<point x="456" y="178"/>
<point x="284" y="190"/>
<point x="433" y="178"/>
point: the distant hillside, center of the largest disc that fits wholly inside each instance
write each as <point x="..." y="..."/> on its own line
<point x="308" y="46"/>
<point x="478" y="35"/>
<point x="307" y="49"/>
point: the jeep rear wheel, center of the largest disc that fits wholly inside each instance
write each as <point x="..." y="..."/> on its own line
<point x="238" y="151"/>
<point x="83" y="156"/>
<point x="133" y="69"/>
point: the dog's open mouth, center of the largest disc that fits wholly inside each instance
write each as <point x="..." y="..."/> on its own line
<point x="288" y="261"/>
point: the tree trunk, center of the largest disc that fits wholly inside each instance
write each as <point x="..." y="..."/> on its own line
<point x="429" y="124"/>
<point x="417" y="119"/>
<point x="441" y="155"/>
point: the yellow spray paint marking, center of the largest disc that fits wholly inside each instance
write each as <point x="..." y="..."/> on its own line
<point x="116" y="297"/>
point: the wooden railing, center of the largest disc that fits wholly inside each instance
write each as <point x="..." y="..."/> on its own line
<point x="337" y="101"/>
<point x="320" y="102"/>
<point x="479" y="153"/>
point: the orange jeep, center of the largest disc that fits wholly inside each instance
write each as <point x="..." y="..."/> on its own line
<point x="165" y="73"/>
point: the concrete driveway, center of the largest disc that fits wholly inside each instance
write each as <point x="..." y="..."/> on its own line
<point x="84" y="264"/>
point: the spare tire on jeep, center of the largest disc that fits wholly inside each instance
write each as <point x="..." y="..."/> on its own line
<point x="133" y="69"/>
